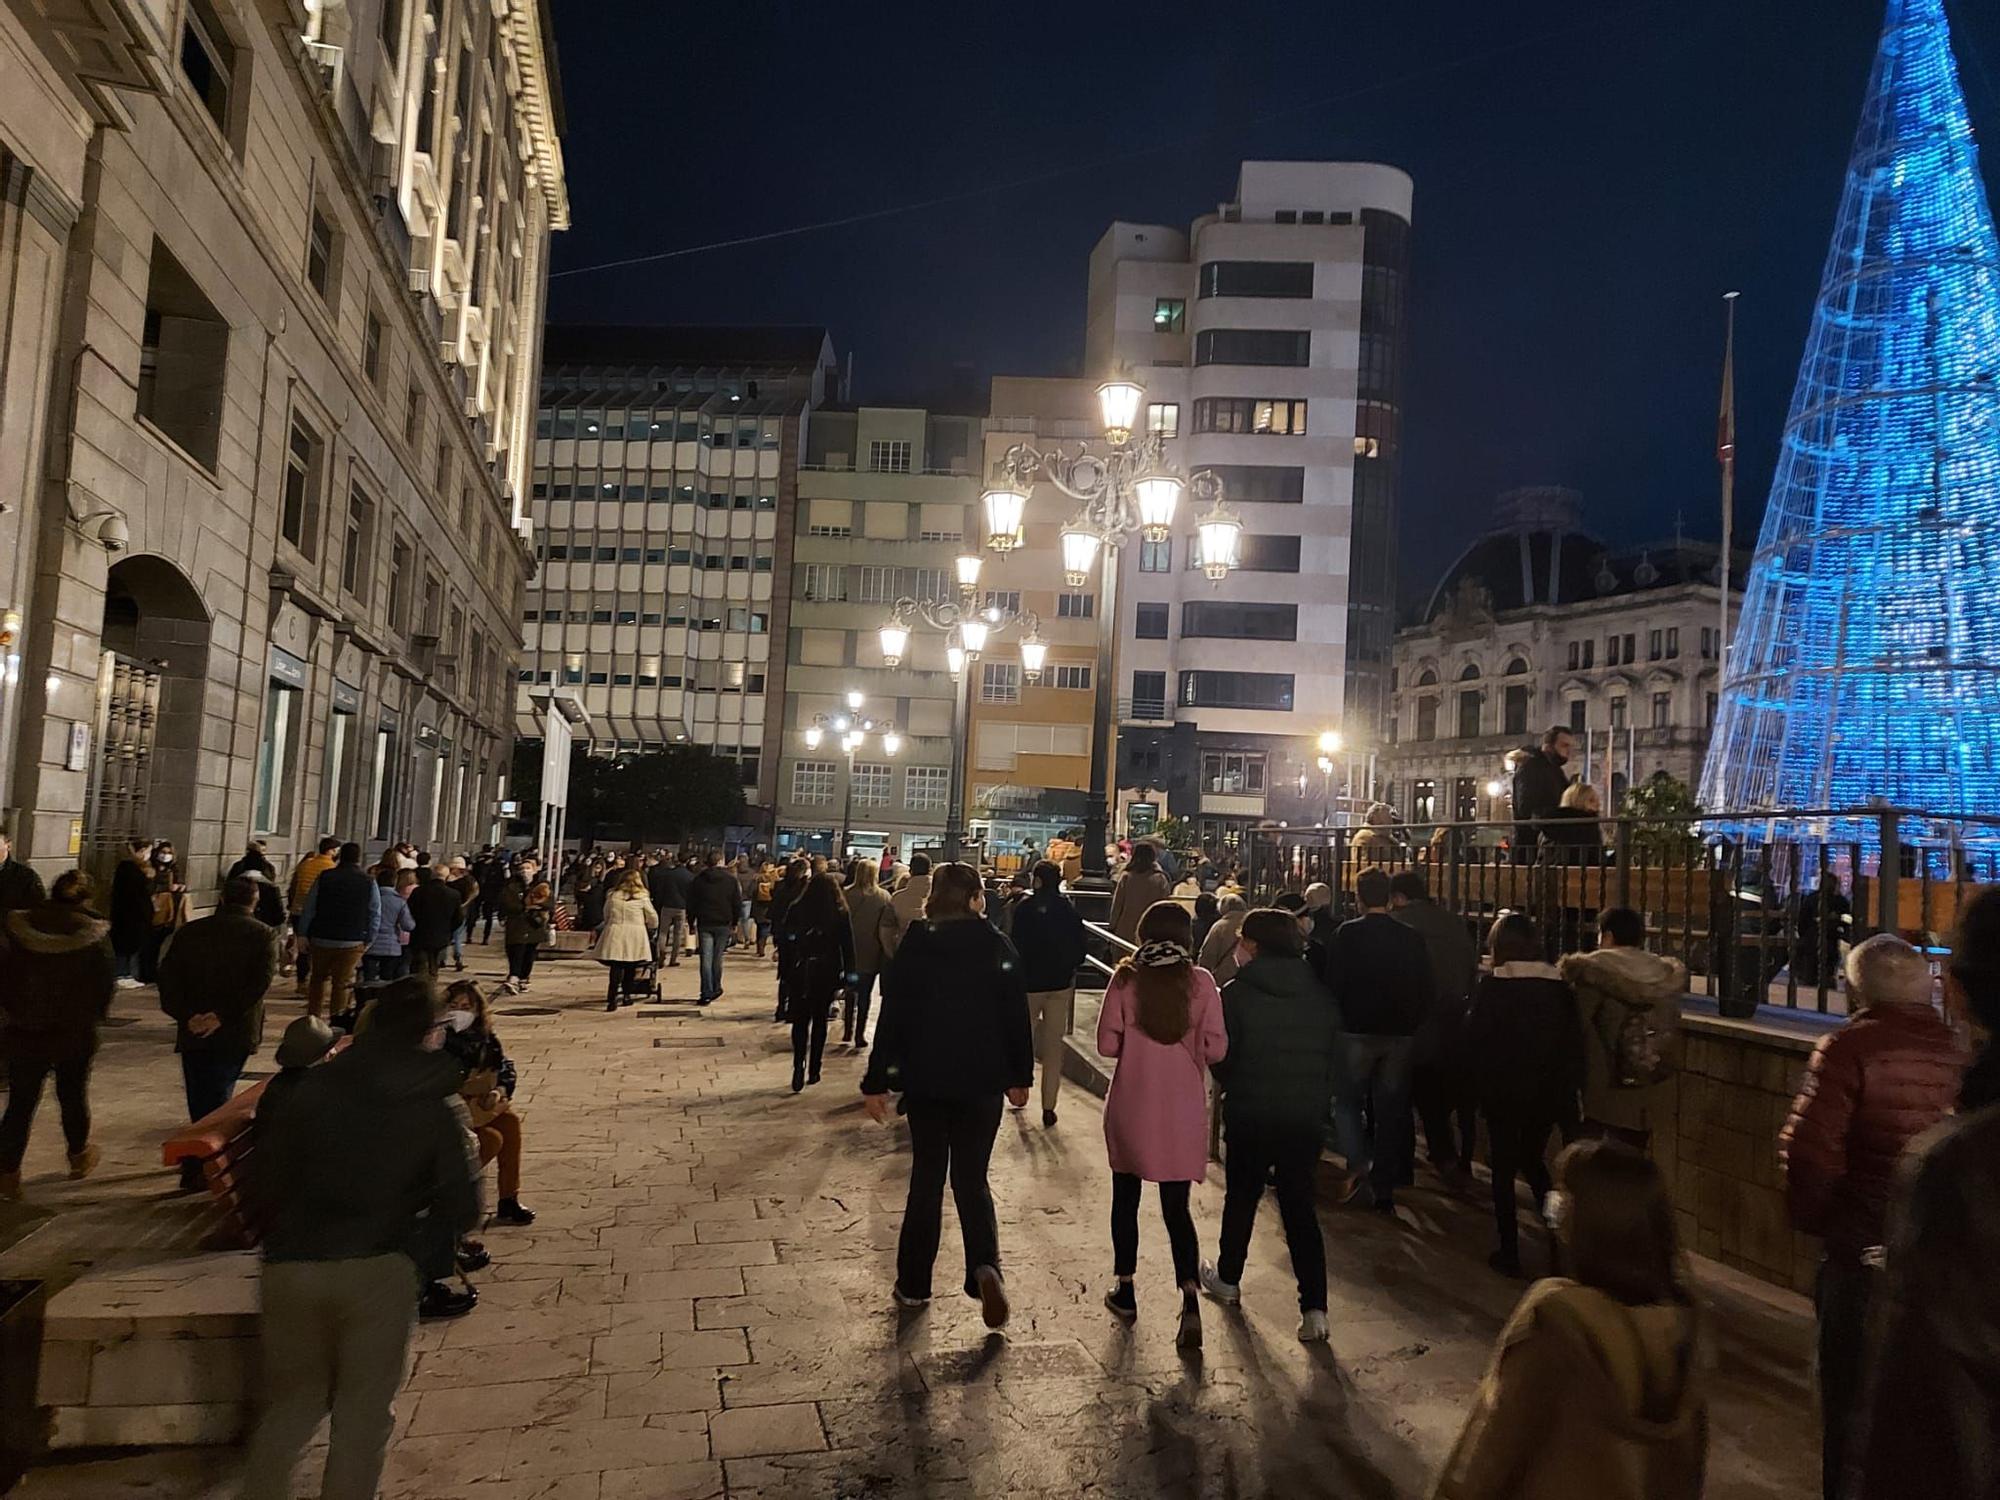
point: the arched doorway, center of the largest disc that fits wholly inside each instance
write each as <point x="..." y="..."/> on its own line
<point x="149" y="705"/>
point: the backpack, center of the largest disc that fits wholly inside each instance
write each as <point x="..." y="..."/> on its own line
<point x="1633" y="1042"/>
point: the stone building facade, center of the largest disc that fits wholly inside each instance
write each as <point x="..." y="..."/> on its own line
<point x="272" y="275"/>
<point x="1539" y="623"/>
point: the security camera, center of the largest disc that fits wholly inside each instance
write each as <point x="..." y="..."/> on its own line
<point x="111" y="531"/>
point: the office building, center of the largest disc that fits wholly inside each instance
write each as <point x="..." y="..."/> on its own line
<point x="273" y="279"/>
<point x="663" y="503"/>
<point x="1270" y="339"/>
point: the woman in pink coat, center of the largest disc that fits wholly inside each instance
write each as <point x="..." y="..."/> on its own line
<point x="1162" y="1020"/>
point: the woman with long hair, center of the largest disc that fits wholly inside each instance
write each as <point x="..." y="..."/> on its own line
<point x="817" y="957"/>
<point x="953" y="1038"/>
<point x="1526" y="1043"/>
<point x="625" y="939"/>
<point x="488" y="1092"/>
<point x="790" y="885"/>
<point x="1596" y="1386"/>
<point x="867" y="910"/>
<point x="1162" y="1020"/>
<point x="526" y="930"/>
<point x="1139" y="885"/>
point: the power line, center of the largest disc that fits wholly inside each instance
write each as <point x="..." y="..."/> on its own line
<point x="1070" y="169"/>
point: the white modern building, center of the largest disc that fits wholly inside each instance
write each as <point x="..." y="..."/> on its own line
<point x="1269" y="337"/>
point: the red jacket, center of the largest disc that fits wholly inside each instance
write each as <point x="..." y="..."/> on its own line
<point x="1884" y="1078"/>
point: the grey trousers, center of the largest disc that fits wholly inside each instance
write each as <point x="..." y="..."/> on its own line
<point x="336" y="1337"/>
<point x="672" y="940"/>
<point x="1050" y="1011"/>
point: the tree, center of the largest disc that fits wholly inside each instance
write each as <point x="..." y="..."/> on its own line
<point x="654" y="795"/>
<point x="1663" y="809"/>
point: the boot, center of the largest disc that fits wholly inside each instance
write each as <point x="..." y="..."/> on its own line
<point x="83" y="1163"/>
<point x="861" y="1010"/>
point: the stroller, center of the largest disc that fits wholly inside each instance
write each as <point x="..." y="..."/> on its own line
<point x="642" y="984"/>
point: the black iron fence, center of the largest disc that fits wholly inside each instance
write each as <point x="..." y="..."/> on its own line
<point x="1759" y="912"/>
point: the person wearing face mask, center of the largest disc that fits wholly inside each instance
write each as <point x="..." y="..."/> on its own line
<point x="169" y="908"/>
<point x="1278" y="1072"/>
<point x="131" y="909"/>
<point x="488" y="1092"/>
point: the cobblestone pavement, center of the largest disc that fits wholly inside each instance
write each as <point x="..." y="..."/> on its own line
<point x="702" y="1308"/>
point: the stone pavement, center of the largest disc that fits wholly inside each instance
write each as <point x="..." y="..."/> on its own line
<point x="702" y="1308"/>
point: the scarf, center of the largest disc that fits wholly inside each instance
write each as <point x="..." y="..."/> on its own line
<point x="1161" y="955"/>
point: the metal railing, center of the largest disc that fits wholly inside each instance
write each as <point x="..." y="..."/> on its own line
<point x="1758" y="911"/>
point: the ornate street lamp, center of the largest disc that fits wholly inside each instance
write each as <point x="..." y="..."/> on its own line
<point x="1128" y="487"/>
<point x="854" y="732"/>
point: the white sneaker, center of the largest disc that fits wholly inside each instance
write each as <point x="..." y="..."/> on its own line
<point x="126" y="982"/>
<point x="1312" y="1328"/>
<point x="1225" y="1292"/>
<point x="906" y="1301"/>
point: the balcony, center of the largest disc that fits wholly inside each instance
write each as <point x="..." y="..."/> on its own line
<point x="1145" y="711"/>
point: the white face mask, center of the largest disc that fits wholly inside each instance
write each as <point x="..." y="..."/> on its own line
<point x="166" y="859"/>
<point x="458" y="1020"/>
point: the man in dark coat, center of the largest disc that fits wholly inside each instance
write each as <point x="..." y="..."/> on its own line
<point x="1049" y="934"/>
<point x="1440" y="1084"/>
<point x="213" y="978"/>
<point x="435" y="908"/>
<point x="1539" y="782"/>
<point x="712" y="901"/>
<point x="20" y="886"/>
<point x="131" y="909"/>
<point x="339" y="921"/>
<point x="667" y="882"/>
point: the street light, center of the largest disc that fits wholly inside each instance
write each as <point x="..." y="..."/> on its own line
<point x="1128" y="487"/>
<point x="853" y="731"/>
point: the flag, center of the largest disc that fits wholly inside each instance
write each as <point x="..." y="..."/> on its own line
<point x="1725" y="422"/>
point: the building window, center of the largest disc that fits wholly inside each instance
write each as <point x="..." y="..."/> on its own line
<point x="1423" y="801"/>
<point x="1163" y="419"/>
<point x="1225" y="620"/>
<point x="1256" y="278"/>
<point x="1264" y="483"/>
<point x="826" y="583"/>
<point x="890" y="457"/>
<point x="1673" y="642"/>
<point x="1007" y="601"/>
<point x="1149" y="695"/>
<point x="1265" y="554"/>
<point x="1156" y="557"/>
<point x="1656" y="644"/>
<point x="320" y="255"/>
<point x="208" y="61"/>
<point x="1464" y="799"/>
<point x="927" y="788"/>
<point x="1617" y="713"/>
<point x="1709" y="711"/>
<point x="1169" y="314"/>
<point x="873" y="784"/>
<point x="305" y="462"/>
<point x="371" y="348"/>
<point x="812" y="781"/>
<point x="275" y="754"/>
<point x="1066" y="676"/>
<point x="1427" y="718"/>
<point x="339" y="728"/>
<point x="1230" y="773"/>
<point x="1514" y="710"/>
<point x="1663" y="710"/>
<point x="1075" y="606"/>
<point x="399" y="581"/>
<point x="1152" y="622"/>
<point x="358" y="544"/>
<point x="1246" y="690"/>
<point x="999" y="682"/>
<point x="183" y="359"/>
<point x="1707" y="643"/>
<point x="413" y="426"/>
<point x="1290" y="347"/>
<point x="1269" y="415"/>
<point x="1579" y="714"/>
<point x="1469" y="703"/>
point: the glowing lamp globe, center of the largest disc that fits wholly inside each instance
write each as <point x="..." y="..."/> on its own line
<point x="1158" y="495"/>
<point x="813" y="736"/>
<point x="968" y="570"/>
<point x="891" y="742"/>
<point x="1004" y="510"/>
<point x="1079" y="552"/>
<point x="854" y="698"/>
<point x="1034" y="655"/>
<point x="1120" y="400"/>
<point x="972" y="633"/>
<point x="1219" y="531"/>
<point x="954" y="656"/>
<point x="1329" y="742"/>
<point x="895" y="641"/>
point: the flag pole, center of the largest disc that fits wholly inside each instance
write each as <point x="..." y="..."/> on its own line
<point x="1725" y="453"/>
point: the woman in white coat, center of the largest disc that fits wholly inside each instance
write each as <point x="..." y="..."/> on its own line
<point x="625" y="941"/>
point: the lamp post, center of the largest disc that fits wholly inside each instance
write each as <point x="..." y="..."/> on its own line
<point x="968" y="631"/>
<point x="854" y="731"/>
<point x="1129" y="486"/>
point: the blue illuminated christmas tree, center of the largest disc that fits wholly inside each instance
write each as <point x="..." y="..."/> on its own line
<point x="1867" y="659"/>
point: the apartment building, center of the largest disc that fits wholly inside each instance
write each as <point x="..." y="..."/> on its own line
<point x="663" y="503"/>
<point x="885" y="493"/>
<point x="1540" y="623"/>
<point x="272" y="276"/>
<point x="1270" y="338"/>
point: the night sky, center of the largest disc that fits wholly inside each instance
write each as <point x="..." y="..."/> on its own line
<point x="1591" y="176"/>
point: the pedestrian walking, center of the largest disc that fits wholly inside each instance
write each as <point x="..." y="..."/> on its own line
<point x="1933" y="1407"/>
<point x="868" y="912"/>
<point x="20" y="887"/>
<point x="526" y="930"/>
<point x="797" y="873"/>
<point x="625" y="940"/>
<point x="170" y="907"/>
<point x="1138" y="887"/>
<point x="131" y="909"/>
<point x="587" y="892"/>
<point x="1280" y="1068"/>
<point x="747" y="877"/>
<point x="1629" y="1002"/>
<point x="437" y="910"/>
<point x="338" y="922"/>
<point x="1440" y="1082"/>
<point x="493" y="875"/>
<point x="1380" y="977"/>
<point x="907" y="902"/>
<point x="711" y="903"/>
<point x="1049" y="935"/>
<point x="373" y="1182"/>
<point x="459" y="876"/>
<point x="57" y="973"/>
<point x="304" y="874"/>
<point x="954" y="1040"/>
<point x="1871" y="1088"/>
<point x="760" y="903"/>
<point x="213" y="980"/>
<point x="387" y="956"/>
<point x="1523" y="1034"/>
<point x="1596" y="1388"/>
<point x="667" y="883"/>
<point x="1218" y="949"/>
<point x="818" y="951"/>
<point x="1162" y="1020"/>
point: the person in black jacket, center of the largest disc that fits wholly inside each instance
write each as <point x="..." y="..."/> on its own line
<point x="1439" y="1081"/>
<point x="435" y="911"/>
<point x="1527" y="1049"/>
<point x="1048" y="934"/>
<point x="1284" y="1034"/>
<point x="667" y="882"/>
<point x="953" y="1039"/>
<point x="20" y="886"/>
<point x="797" y="873"/>
<point x="131" y="909"/>
<point x="818" y="951"/>
<point x="1539" y="780"/>
<point x="1380" y="977"/>
<point x="213" y="978"/>
<point x="711" y="906"/>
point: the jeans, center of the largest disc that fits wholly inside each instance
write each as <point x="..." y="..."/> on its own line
<point x="127" y="964"/>
<point x="1518" y="1147"/>
<point x="1256" y="1151"/>
<point x="710" y="940"/>
<point x="458" y="935"/>
<point x="673" y="935"/>
<point x="335" y="967"/>
<point x="948" y="1138"/>
<point x="1841" y="1297"/>
<point x="1378" y="1071"/>
<point x="379" y="967"/>
<point x="24" y="1094"/>
<point x="746" y="933"/>
<point x="1125" y="1191"/>
<point x="210" y="1078"/>
<point x="1049" y="1012"/>
<point x="336" y="1336"/>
